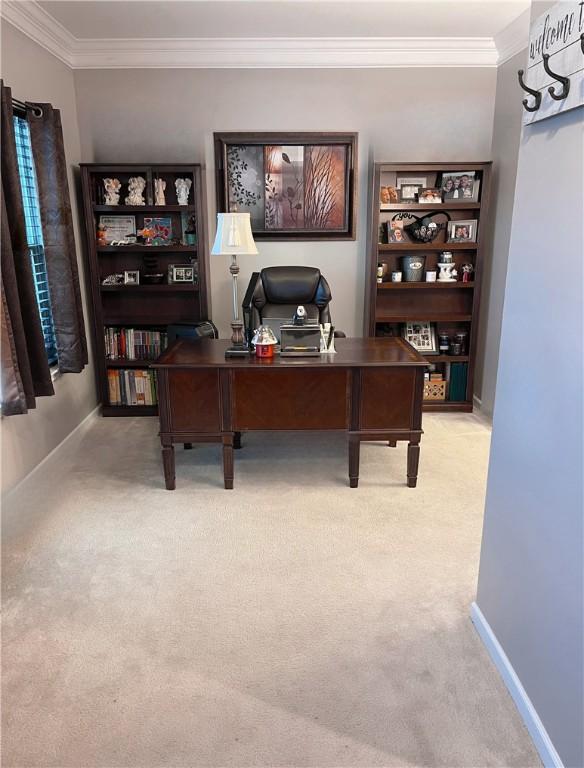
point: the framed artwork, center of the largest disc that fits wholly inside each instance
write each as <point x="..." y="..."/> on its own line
<point x="422" y="337"/>
<point x="117" y="227"/>
<point x="295" y="186"/>
<point x="462" y="231"/>
<point x="132" y="277"/>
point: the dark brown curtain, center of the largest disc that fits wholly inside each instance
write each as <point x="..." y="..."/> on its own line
<point x="25" y="370"/>
<point x="46" y="137"/>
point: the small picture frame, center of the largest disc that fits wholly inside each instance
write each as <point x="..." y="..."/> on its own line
<point x="395" y="232"/>
<point x="408" y="193"/>
<point x="131" y="277"/>
<point x="407" y="181"/>
<point x="422" y="337"/>
<point x="460" y="187"/>
<point x="431" y="195"/>
<point x="462" y="231"/>
<point x="181" y="273"/>
<point x="387" y="197"/>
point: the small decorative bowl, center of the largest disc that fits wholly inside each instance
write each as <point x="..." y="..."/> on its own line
<point x="153" y="279"/>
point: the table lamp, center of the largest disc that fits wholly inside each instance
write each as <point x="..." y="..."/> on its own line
<point x="234" y="238"/>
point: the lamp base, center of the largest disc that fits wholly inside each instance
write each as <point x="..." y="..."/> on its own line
<point x="238" y="347"/>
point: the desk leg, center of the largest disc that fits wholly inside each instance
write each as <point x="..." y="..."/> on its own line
<point x="413" y="459"/>
<point x="354" y="449"/>
<point x="228" y="461"/>
<point x="168" y="464"/>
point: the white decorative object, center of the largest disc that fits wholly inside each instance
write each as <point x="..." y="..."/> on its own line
<point x="183" y="187"/>
<point x="159" y="187"/>
<point x="555" y="44"/>
<point x="136" y="187"/>
<point x="447" y="272"/>
<point x="112" y="191"/>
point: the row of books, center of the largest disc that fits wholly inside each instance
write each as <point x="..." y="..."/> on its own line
<point x="134" y="344"/>
<point x="131" y="387"/>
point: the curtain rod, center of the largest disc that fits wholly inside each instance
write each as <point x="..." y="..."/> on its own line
<point x="22" y="106"/>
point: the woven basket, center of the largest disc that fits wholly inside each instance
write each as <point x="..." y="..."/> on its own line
<point x="434" y="390"/>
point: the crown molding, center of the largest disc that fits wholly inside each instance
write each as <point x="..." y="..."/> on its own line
<point x="33" y="21"/>
<point x="513" y="39"/>
<point x="231" y="53"/>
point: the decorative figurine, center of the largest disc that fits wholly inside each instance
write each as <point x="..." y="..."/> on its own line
<point x="467" y="270"/>
<point x="136" y="187"/>
<point x="115" y="279"/>
<point x="191" y="232"/>
<point x="183" y="187"/>
<point x="447" y="272"/>
<point x="159" y="187"/>
<point x="112" y="191"/>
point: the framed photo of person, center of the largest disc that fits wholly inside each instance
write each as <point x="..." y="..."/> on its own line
<point x="430" y="195"/>
<point x="132" y="277"/>
<point x="460" y="187"/>
<point x="395" y="232"/>
<point x="408" y="181"/>
<point x="422" y="337"/>
<point x="462" y="231"/>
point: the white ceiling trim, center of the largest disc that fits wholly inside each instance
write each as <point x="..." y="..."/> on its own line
<point x="380" y="52"/>
<point x="514" y="38"/>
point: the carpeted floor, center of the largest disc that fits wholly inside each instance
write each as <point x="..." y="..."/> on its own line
<point x="290" y="622"/>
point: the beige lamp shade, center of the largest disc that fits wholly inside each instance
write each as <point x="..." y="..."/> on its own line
<point x="234" y="237"/>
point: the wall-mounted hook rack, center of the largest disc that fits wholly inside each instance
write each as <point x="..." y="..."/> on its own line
<point x="536" y="94"/>
<point x="564" y="81"/>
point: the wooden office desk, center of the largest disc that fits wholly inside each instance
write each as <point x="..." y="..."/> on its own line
<point x="371" y="389"/>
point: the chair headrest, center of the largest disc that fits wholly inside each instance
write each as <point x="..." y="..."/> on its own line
<point x="290" y="285"/>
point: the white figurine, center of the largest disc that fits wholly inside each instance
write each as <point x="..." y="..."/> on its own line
<point x="447" y="272"/>
<point x="159" y="187"/>
<point x="136" y="186"/>
<point x="183" y="187"/>
<point x="112" y="191"/>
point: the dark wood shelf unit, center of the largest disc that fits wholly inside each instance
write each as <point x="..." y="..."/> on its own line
<point x="452" y="306"/>
<point x="145" y="306"/>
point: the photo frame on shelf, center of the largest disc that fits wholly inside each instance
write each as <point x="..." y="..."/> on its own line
<point x="408" y="193"/>
<point x="460" y="186"/>
<point x="116" y="228"/>
<point x="462" y="231"/>
<point x="295" y="186"/>
<point x="416" y="181"/>
<point x="431" y="195"/>
<point x="395" y="232"/>
<point x="422" y="337"/>
<point x="132" y="277"/>
<point x="181" y="273"/>
<point x="388" y="196"/>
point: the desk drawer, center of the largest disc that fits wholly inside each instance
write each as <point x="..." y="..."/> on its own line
<point x="291" y="399"/>
<point x="387" y="398"/>
<point x="194" y="400"/>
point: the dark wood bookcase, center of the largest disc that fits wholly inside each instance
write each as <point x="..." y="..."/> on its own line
<point x="450" y="306"/>
<point x="145" y="306"/>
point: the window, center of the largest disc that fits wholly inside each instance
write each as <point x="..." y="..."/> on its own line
<point x="34" y="234"/>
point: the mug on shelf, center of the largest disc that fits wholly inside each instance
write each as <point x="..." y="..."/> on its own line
<point x="396" y="277"/>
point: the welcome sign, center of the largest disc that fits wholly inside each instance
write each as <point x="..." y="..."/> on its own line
<point x="556" y="33"/>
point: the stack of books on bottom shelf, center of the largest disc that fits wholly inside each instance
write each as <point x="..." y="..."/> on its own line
<point x="131" y="387"/>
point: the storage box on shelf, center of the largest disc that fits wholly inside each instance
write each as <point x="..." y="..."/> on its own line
<point x="451" y="307"/>
<point x="164" y="235"/>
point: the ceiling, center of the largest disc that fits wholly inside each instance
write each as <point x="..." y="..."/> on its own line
<point x="283" y="18"/>
<point x="107" y="34"/>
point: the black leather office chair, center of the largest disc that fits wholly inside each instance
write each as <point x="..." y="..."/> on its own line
<point x="275" y="292"/>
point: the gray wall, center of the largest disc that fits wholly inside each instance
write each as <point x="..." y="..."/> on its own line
<point x="170" y="115"/>
<point x="35" y="74"/>
<point x="504" y="153"/>
<point x="531" y="569"/>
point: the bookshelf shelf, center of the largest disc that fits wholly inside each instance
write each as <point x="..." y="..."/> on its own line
<point x="387" y="247"/>
<point x="145" y="307"/>
<point x="450" y="307"/>
<point x="163" y="287"/>
<point x="422" y="285"/>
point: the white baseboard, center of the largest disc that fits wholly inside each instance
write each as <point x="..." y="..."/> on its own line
<point x="478" y="403"/>
<point x="81" y="428"/>
<point x="537" y="731"/>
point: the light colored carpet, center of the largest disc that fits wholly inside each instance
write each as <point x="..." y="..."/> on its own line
<point x="290" y="622"/>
